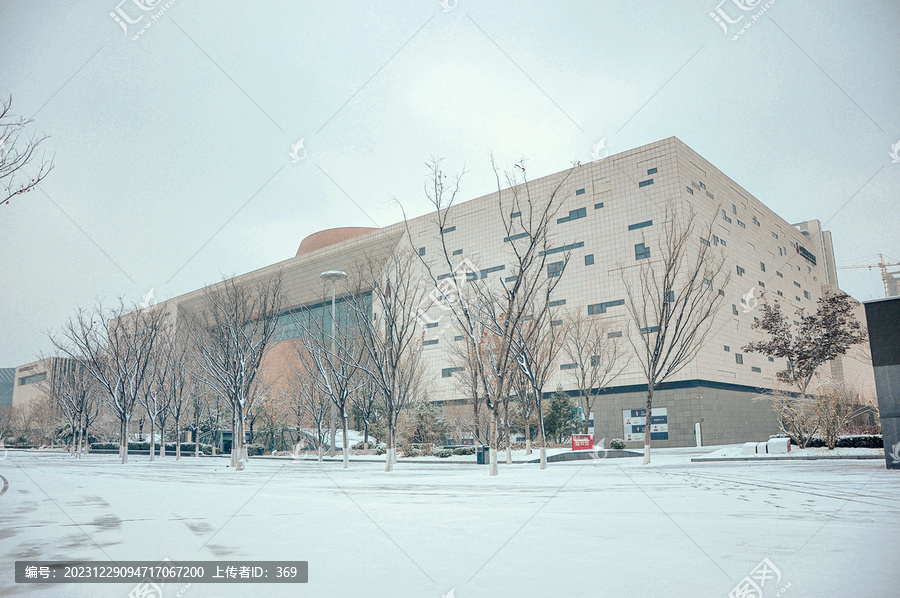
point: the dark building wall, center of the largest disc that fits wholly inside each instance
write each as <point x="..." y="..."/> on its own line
<point x="7" y="383"/>
<point x="883" y="320"/>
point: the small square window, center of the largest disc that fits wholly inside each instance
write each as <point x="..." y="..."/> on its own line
<point x="457" y="252"/>
<point x="806" y="294"/>
<point x="762" y="266"/>
<point x="689" y="190"/>
<point x="727" y="348"/>
<point x="641" y="252"/>
<point x="421" y="251"/>
<point x="772" y="359"/>
<point x="738" y="358"/>
<point x="589" y="259"/>
<point x="761" y="283"/>
<point x="740" y="271"/>
<point x="755" y="369"/>
<point x="702" y="186"/>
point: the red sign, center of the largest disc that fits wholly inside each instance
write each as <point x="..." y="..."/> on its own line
<point x="582" y="442"/>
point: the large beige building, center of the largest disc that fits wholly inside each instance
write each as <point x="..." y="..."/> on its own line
<point x="609" y="224"/>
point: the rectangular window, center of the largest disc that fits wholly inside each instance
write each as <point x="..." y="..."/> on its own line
<point x="515" y="214"/>
<point x="710" y="195"/>
<point x="670" y="296"/>
<point x="797" y="284"/>
<point x="557" y="303"/>
<point x="725" y="217"/>
<point x="644" y="224"/>
<point x="645" y="183"/>
<point x="487" y="271"/>
<point x="715" y="240"/>
<point x="514" y="237"/>
<point x="457" y="252"/>
<point x="734" y="309"/>
<point x="589" y="259"/>
<point x="432" y="324"/>
<point x="458" y="337"/>
<point x="448" y="372"/>
<point x="774" y="235"/>
<point x="740" y="271"/>
<point x="727" y="348"/>
<point x="450" y="229"/>
<point x="615" y="334"/>
<point x="702" y="186"/>
<point x="695" y="184"/>
<point x="689" y="190"/>
<point x="721" y="292"/>
<point x="755" y="369"/>
<point x="762" y="266"/>
<point x="568" y="366"/>
<point x="510" y="278"/>
<point x="780" y="251"/>
<point x="755" y="221"/>
<point x="597" y="206"/>
<point x="738" y="358"/>
<point x="761" y="283"/>
<point x="600" y="308"/>
<point x="556" y="322"/>
<point x="806" y="294"/>
<point x="650" y="330"/>
<point x="779" y="274"/>
<point x="780" y="294"/>
<point x="573" y="215"/>
<point x="741" y="224"/>
<point x="722" y="241"/>
<point x="433" y="341"/>
<point x="555" y="269"/>
<point x="579" y="192"/>
<point x="421" y="251"/>
<point x="772" y="359"/>
<point x="641" y="252"/>
<point x="733" y="209"/>
<point x="568" y="247"/>
<point x="704" y="241"/>
<point x="32" y="379"/>
<point x="652" y="171"/>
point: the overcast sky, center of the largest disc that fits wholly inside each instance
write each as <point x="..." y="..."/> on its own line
<point x="172" y="137"/>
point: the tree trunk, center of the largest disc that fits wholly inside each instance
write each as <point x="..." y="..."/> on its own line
<point x="162" y="439"/>
<point x="234" y="440"/>
<point x="586" y="406"/>
<point x="124" y="440"/>
<point x="388" y="466"/>
<point x="527" y="436"/>
<point x="647" y="424"/>
<point x="477" y="426"/>
<point x="345" y="444"/>
<point x="177" y="440"/>
<point x="494" y="441"/>
<point x="506" y="432"/>
<point x="152" y="439"/>
<point x="543" y="434"/>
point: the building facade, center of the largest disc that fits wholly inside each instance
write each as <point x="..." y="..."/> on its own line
<point x="610" y="223"/>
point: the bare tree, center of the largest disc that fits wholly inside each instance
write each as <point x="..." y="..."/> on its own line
<point x="17" y="150"/>
<point x="116" y="346"/>
<point x="309" y="402"/>
<point x="74" y="392"/>
<point x="495" y="308"/>
<point x="366" y="401"/>
<point x="331" y="352"/>
<point x="596" y="352"/>
<point x="179" y="384"/>
<point x="674" y="301"/>
<point x="538" y="346"/>
<point x="230" y="333"/>
<point x="385" y="308"/>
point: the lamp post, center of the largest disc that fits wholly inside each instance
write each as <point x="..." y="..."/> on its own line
<point x="333" y="276"/>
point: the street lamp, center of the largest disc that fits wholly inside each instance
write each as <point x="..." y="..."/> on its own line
<point x="333" y="276"/>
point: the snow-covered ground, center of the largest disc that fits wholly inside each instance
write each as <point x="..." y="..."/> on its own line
<point x="605" y="527"/>
<point x="736" y="452"/>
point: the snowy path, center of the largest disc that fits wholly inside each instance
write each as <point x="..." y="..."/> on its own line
<point x="575" y="529"/>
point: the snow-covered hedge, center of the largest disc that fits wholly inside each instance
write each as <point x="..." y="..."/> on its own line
<point x="617" y="443"/>
<point x="847" y="441"/>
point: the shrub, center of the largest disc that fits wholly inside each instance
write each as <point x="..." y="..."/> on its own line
<point x="465" y="450"/>
<point x="617" y="443"/>
<point x="854" y="441"/>
<point x="413" y="453"/>
<point x="254" y="449"/>
<point x="442" y="453"/>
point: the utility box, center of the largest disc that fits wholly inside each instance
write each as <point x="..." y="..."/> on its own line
<point x="482" y="454"/>
<point x="779" y="446"/>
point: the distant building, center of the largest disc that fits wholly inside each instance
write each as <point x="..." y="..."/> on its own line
<point x="7" y="384"/>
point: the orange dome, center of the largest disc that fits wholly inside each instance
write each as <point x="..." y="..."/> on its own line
<point x="330" y="236"/>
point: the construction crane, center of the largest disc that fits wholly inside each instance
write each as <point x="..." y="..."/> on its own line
<point x="886" y="277"/>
